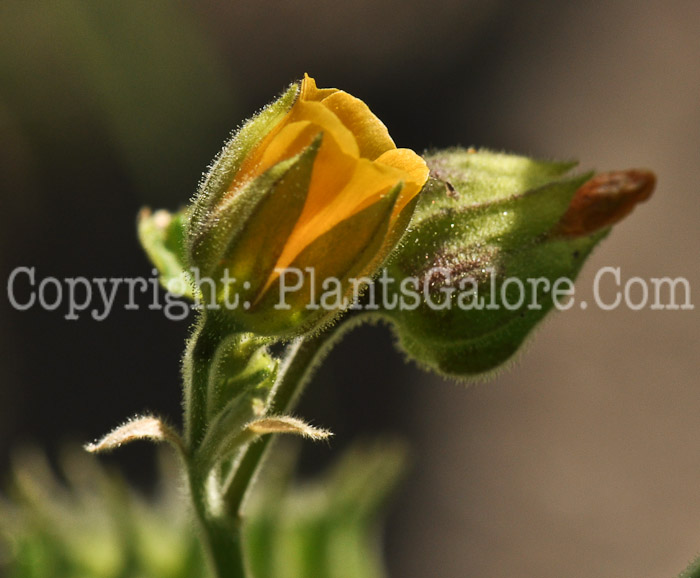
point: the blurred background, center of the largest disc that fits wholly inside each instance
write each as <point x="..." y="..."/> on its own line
<point x="584" y="458"/>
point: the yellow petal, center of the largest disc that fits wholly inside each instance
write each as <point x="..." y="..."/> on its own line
<point x="291" y="140"/>
<point x="407" y="161"/>
<point x="356" y="165"/>
<point x="414" y="168"/>
<point x="327" y="122"/>
<point x="371" y="134"/>
<point x="333" y="169"/>
<point x="369" y="182"/>
<point x="295" y="133"/>
<point x="310" y="92"/>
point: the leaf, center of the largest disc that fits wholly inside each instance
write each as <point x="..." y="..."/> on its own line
<point x="286" y="425"/>
<point x="162" y="236"/>
<point x="328" y="528"/>
<point x="145" y="427"/>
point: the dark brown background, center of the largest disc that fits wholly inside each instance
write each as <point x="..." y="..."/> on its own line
<point x="584" y="459"/>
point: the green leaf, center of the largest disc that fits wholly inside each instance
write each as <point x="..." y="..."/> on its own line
<point x="162" y="236"/>
<point x="328" y="528"/>
<point x="89" y="524"/>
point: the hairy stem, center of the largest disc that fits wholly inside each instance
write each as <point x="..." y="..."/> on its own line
<point x="303" y="356"/>
<point x="196" y="368"/>
<point x="222" y="526"/>
<point x="222" y="535"/>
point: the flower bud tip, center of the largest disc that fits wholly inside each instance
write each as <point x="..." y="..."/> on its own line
<point x="605" y="200"/>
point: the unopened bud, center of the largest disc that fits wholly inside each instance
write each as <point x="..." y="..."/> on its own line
<point x="495" y="243"/>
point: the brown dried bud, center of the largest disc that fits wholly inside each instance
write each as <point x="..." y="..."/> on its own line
<point x="604" y="200"/>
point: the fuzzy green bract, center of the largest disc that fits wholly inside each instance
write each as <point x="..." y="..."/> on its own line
<point x="483" y="228"/>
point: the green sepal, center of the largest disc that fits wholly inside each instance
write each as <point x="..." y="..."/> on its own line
<point x="252" y="256"/>
<point x="484" y="176"/>
<point x="226" y="165"/>
<point x="342" y="253"/>
<point x="162" y="235"/>
<point x="463" y="344"/>
<point x="508" y="222"/>
<point x="396" y="233"/>
<point x="483" y="218"/>
<point x="282" y="187"/>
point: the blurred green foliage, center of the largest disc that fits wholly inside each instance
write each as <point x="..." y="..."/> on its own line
<point x="91" y="525"/>
<point x="329" y="528"/>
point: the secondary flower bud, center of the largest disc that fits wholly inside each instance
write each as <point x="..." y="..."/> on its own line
<point x="604" y="200"/>
<point x="313" y="183"/>
<point x="495" y="240"/>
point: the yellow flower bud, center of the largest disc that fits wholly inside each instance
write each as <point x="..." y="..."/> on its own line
<point x="322" y="189"/>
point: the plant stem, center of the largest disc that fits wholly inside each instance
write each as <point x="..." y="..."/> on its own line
<point x="302" y="358"/>
<point x="222" y="535"/>
<point x="196" y="368"/>
<point x="222" y="529"/>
